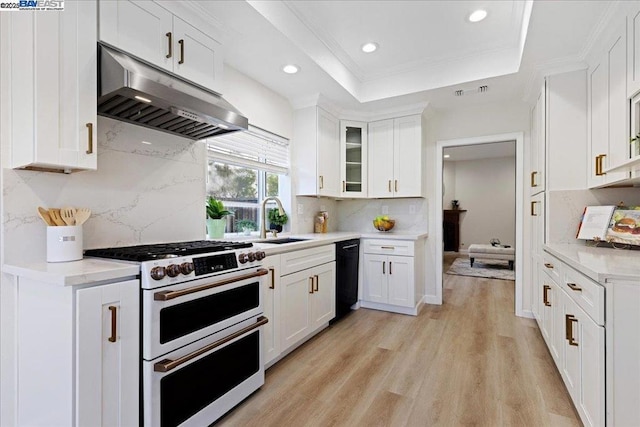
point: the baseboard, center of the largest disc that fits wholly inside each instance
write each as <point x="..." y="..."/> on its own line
<point x="528" y="314"/>
<point x="431" y="299"/>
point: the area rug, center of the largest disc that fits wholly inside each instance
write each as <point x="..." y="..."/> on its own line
<point x="491" y="269"/>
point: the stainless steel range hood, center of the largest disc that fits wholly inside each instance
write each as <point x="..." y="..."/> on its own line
<point x="138" y="93"/>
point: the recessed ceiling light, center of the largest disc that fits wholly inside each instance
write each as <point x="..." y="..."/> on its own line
<point x="290" y="69"/>
<point x="369" y="47"/>
<point x="446" y="156"/>
<point x="478" y="15"/>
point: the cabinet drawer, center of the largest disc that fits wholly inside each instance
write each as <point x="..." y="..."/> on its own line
<point x="388" y="247"/>
<point x="306" y="258"/>
<point x="585" y="292"/>
<point x="552" y="266"/>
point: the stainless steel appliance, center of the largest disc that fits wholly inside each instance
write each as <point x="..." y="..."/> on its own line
<point x="201" y="327"/>
<point x="136" y="92"/>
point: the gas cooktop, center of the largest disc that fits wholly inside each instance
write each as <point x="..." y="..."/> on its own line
<point x="142" y="253"/>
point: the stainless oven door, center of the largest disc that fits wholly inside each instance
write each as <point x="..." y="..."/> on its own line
<point x="197" y="384"/>
<point x="177" y="315"/>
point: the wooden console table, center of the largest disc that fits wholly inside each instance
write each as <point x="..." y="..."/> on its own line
<point x="451" y="229"/>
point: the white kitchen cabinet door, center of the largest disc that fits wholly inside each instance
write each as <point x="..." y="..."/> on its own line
<point x="54" y="84"/>
<point x="197" y="57"/>
<point x="538" y="144"/>
<point x="381" y="159"/>
<point x="400" y="279"/>
<point x="633" y="53"/>
<point x="107" y="352"/>
<point x="571" y="360"/>
<point x="619" y="147"/>
<point x="598" y="123"/>
<point x="591" y="342"/>
<point x="375" y="278"/>
<point x="140" y="28"/>
<point x="324" y="295"/>
<point x="295" y="306"/>
<point x="546" y="309"/>
<point x="407" y="157"/>
<point x="271" y="303"/>
<point x="328" y="152"/>
<point x="557" y="331"/>
<point x="537" y="291"/>
<point x="353" y="159"/>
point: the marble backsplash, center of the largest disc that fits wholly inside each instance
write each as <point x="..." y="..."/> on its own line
<point x="566" y="207"/>
<point x="149" y="188"/>
<point x="358" y="215"/>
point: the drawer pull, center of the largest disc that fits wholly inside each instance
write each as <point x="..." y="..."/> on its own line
<point x="317" y="279"/>
<point x="387" y="247"/>
<point x="396" y="186"/>
<point x="310" y="285"/>
<point x="114" y="324"/>
<point x="389" y="186"/>
<point x="568" y="326"/>
<point x="383" y="263"/>
<point x="170" y="42"/>
<point x="533" y="209"/>
<point x="90" y="138"/>
<point x="574" y="287"/>
<point x="273" y="278"/>
<point x="548" y="265"/>
<point x="545" y="295"/>
<point x="390" y="264"/>
<point x="181" y="43"/>
<point x="533" y="179"/>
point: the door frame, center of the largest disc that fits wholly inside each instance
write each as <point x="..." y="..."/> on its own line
<point x="518" y="137"/>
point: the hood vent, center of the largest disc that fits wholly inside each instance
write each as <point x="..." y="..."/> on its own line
<point x="135" y="92"/>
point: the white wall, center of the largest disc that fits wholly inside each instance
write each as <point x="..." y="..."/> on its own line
<point x="449" y="182"/>
<point x="465" y="122"/>
<point x="486" y="190"/>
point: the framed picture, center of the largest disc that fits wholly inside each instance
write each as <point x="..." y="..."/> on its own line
<point x="624" y="226"/>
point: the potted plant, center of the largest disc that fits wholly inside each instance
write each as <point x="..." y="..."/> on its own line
<point x="276" y="221"/>
<point x="246" y="226"/>
<point x="215" y="218"/>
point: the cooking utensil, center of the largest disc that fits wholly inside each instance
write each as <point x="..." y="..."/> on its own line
<point x="54" y="213"/>
<point x="44" y="214"/>
<point x="68" y="215"/>
<point x="82" y="214"/>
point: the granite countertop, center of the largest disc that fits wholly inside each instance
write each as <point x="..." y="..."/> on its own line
<point x="86" y="271"/>
<point x="600" y="264"/>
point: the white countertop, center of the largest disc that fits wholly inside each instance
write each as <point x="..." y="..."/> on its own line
<point x="88" y="270"/>
<point x="600" y="264"/>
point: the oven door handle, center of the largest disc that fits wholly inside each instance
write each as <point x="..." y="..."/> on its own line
<point x="169" y="295"/>
<point x="167" y="365"/>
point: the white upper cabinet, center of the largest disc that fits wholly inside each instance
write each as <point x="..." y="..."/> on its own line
<point x="316" y="152"/>
<point x="52" y="95"/>
<point x="395" y="157"/>
<point x="633" y="53"/>
<point x="353" y="159"/>
<point x="609" y="112"/>
<point x="148" y="31"/>
<point x="538" y="144"/>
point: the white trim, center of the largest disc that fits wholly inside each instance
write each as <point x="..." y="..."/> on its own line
<point x="518" y="137"/>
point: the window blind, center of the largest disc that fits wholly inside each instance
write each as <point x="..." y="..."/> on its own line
<point x="254" y="148"/>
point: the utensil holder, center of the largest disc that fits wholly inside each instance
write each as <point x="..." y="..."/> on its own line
<point x="64" y="243"/>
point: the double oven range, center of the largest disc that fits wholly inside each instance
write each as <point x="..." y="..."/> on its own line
<point x="201" y="334"/>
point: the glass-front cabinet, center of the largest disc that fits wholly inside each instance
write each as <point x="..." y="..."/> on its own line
<point x="353" y="159"/>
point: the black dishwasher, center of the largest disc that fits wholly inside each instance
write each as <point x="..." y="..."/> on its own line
<point x="347" y="257"/>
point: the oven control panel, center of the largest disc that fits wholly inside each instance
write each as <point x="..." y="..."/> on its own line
<point x="214" y="263"/>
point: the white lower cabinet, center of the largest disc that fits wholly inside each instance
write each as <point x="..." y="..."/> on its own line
<point x="78" y="352"/>
<point x="307" y="295"/>
<point x="393" y="280"/>
<point x="271" y="303"/>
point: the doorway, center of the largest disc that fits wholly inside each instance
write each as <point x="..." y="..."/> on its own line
<point x="518" y="139"/>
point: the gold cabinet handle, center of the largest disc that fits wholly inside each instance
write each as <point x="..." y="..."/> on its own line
<point x="574" y="287"/>
<point x="167" y="365"/>
<point x="383" y="265"/>
<point x="533" y="209"/>
<point x="389" y="186"/>
<point x="310" y="285"/>
<point x="599" y="161"/>
<point x="181" y="43"/>
<point x="390" y="270"/>
<point x="396" y="186"/>
<point x="321" y="182"/>
<point x="545" y="296"/>
<point x="548" y="265"/>
<point x="344" y="186"/>
<point x="317" y="279"/>
<point x="568" y="327"/>
<point x="273" y="278"/>
<point x="170" y="42"/>
<point x="533" y="179"/>
<point x="90" y="140"/>
<point x="114" y="325"/>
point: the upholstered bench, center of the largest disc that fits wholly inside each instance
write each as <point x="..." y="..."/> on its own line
<point x="491" y="252"/>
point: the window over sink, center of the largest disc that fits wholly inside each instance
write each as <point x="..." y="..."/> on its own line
<point x="243" y="169"/>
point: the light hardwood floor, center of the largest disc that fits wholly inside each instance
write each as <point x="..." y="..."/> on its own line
<point x="467" y="362"/>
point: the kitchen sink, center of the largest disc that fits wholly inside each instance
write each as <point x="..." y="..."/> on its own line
<point x="281" y="240"/>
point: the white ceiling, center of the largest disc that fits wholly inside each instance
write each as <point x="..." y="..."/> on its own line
<point x="428" y="49"/>
<point x="481" y="151"/>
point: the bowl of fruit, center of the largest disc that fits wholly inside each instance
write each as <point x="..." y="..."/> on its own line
<point x="383" y="223"/>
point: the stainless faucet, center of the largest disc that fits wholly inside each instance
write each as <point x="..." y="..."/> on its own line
<point x="263" y="228"/>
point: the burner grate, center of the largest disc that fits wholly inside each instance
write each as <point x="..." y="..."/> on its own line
<point x="141" y="253"/>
